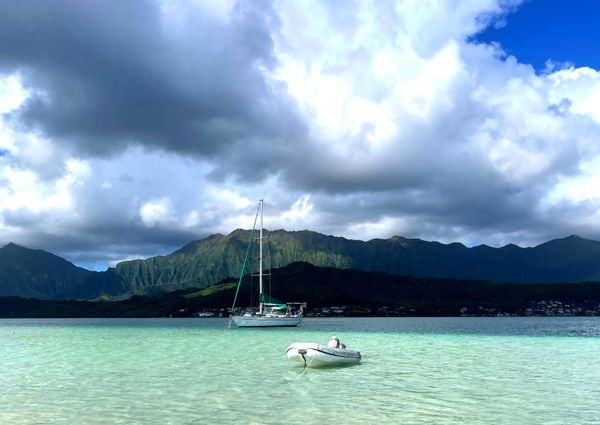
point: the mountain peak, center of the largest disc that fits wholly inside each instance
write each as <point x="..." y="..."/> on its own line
<point x="12" y="246"/>
<point x="573" y="243"/>
<point x="570" y="238"/>
<point x="35" y="273"/>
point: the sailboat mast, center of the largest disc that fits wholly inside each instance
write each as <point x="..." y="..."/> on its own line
<point x="260" y="259"/>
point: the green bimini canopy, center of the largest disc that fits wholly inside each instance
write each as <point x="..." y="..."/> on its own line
<point x="267" y="299"/>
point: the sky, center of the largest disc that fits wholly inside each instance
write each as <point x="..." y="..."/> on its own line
<point x="554" y="31"/>
<point x="128" y="129"/>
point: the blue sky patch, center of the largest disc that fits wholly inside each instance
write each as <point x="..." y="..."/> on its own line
<point x="556" y="30"/>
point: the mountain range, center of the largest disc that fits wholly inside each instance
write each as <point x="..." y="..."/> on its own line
<point x="38" y="274"/>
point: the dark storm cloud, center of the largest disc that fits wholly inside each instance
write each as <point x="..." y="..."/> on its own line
<point x="106" y="74"/>
<point x="452" y="205"/>
<point x="108" y="243"/>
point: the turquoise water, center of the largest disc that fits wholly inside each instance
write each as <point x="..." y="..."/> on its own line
<point x="196" y="371"/>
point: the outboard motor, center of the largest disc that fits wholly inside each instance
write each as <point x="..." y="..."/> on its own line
<point x="303" y="352"/>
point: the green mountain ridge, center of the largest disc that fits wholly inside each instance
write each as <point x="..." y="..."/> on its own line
<point x="201" y="263"/>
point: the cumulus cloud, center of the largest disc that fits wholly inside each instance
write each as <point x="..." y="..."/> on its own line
<point x="128" y="129"/>
<point x="466" y="140"/>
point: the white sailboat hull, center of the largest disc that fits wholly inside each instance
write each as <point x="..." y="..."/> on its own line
<point x="317" y="355"/>
<point x="265" y="321"/>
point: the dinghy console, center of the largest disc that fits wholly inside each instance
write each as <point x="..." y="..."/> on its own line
<point x="334" y="342"/>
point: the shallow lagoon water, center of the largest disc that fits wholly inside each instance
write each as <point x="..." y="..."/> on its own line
<point x="196" y="371"/>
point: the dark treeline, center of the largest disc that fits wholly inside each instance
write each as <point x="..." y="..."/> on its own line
<point x="366" y="293"/>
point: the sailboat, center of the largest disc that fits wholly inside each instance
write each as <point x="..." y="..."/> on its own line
<point x="268" y="314"/>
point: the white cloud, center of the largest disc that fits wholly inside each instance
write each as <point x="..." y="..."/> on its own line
<point x="299" y="212"/>
<point x="581" y="86"/>
<point x="382" y="228"/>
<point x="156" y="212"/>
<point x="12" y="93"/>
<point x="24" y="190"/>
<point x="581" y="187"/>
<point x="224" y="199"/>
